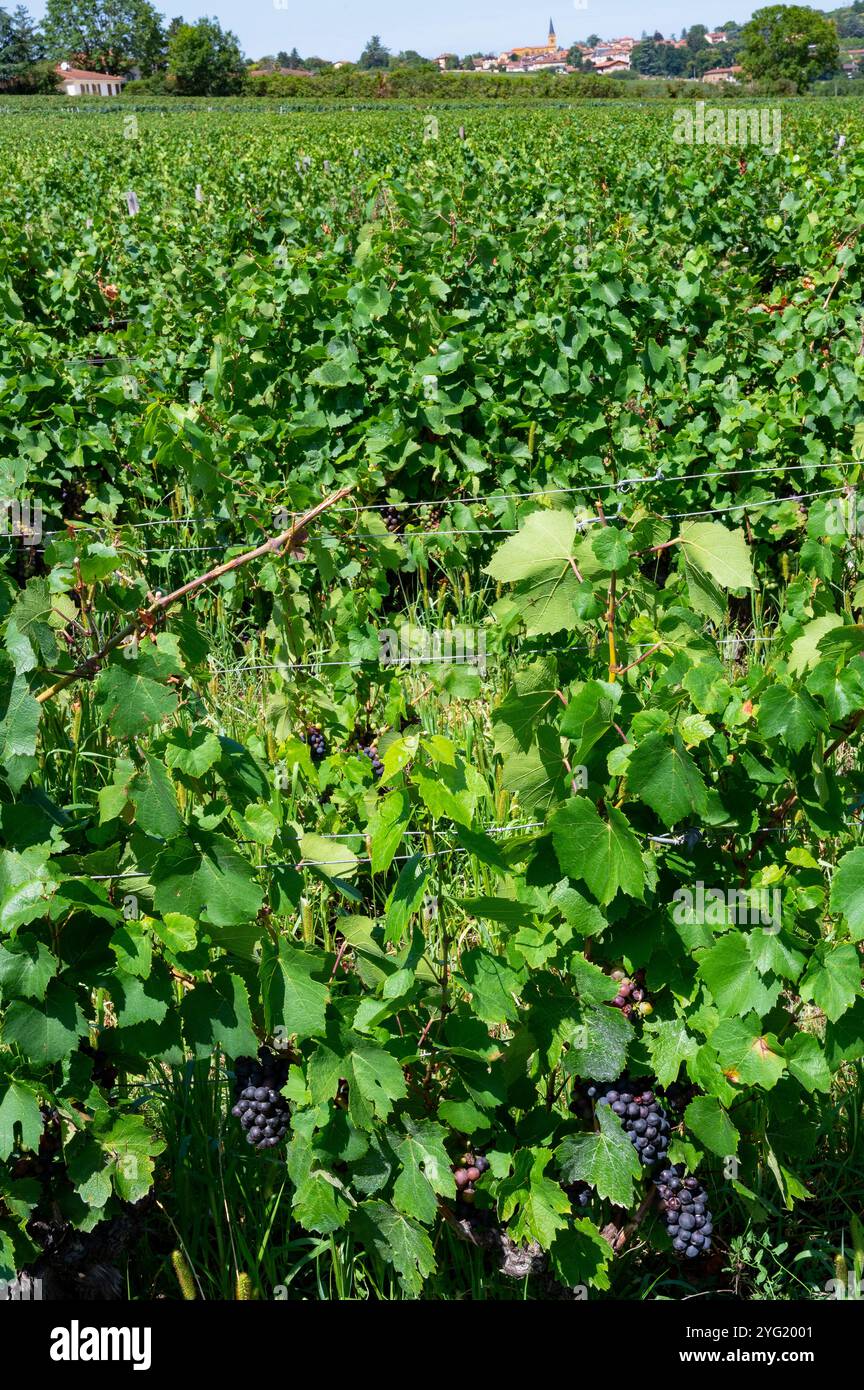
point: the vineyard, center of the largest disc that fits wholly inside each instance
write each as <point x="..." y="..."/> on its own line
<point x="431" y="695"/>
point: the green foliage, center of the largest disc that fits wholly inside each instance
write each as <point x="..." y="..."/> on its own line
<point x="789" y="41"/>
<point x="646" y="369"/>
<point x="206" y="60"/>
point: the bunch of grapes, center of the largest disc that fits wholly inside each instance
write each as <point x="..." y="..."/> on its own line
<point x="579" y="1193"/>
<point x="631" y="993"/>
<point x="317" y="743"/>
<point x="394" y="519"/>
<point x="685" y="1207"/>
<point x="261" y="1110"/>
<point x="432" y="517"/>
<point x="466" y="1172"/>
<point x="641" y="1114"/>
<point x="371" y="752"/>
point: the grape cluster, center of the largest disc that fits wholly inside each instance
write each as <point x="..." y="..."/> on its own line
<point x="398" y="519"/>
<point x="641" y="1114"/>
<point x="466" y="1172"/>
<point x="317" y="743"/>
<point x="685" y="1207"/>
<point x="579" y="1193"/>
<point x="631" y="994"/>
<point x="371" y="752"/>
<point x="261" y="1110"/>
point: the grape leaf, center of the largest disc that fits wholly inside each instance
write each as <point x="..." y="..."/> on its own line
<point x="533" y="1205"/>
<point x="206" y="877"/>
<point x="46" y="1031"/>
<point x="492" y="984"/>
<point x="847" y="891"/>
<point x="293" y="1000"/>
<point x="607" y="1160"/>
<point x="398" y="1241"/>
<point x="605" y="854"/>
<point x="425" y="1168"/>
<point x="26" y="966"/>
<point x="666" y="778"/>
<point x="708" y="1120"/>
<point x="19" y="1110"/>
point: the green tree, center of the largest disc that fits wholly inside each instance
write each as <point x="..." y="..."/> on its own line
<point x="696" y="39"/>
<point x="789" y="41"/>
<point x="409" y="58"/>
<point x="108" y="35"/>
<point x="375" y="55"/>
<point x="206" y="60"/>
<point x="574" y="57"/>
<point x="20" y="41"/>
<point x="592" y="40"/>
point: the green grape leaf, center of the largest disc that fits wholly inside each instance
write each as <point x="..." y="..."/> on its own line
<point x="605" y="854"/>
<point x="607" y="1160"/>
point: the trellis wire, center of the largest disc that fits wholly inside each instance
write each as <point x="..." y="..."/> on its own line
<point x="672" y="841"/>
<point x="606" y="483"/>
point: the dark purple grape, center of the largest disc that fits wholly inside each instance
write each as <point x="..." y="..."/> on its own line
<point x="262" y="1111"/>
<point x="685" y="1205"/>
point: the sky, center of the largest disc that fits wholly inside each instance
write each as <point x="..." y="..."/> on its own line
<point x="339" y="28"/>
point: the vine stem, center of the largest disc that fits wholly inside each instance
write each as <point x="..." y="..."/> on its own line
<point x="286" y="540"/>
<point x="618" y="1236"/>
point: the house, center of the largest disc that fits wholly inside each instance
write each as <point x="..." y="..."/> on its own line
<point x="77" y="82"/>
<point x="716" y="36"/>
<point x="608" y="67"/>
<point x="723" y="74"/>
<point x="446" y="60"/>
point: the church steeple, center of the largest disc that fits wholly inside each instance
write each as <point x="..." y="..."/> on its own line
<point x="553" y="41"/>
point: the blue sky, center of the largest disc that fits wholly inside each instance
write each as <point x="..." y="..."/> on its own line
<point x="339" y="28"/>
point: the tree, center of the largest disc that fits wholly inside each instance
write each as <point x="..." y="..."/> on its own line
<point x="20" y="42"/>
<point x="696" y="37"/>
<point x="206" y="59"/>
<point x="574" y="57"/>
<point x="409" y="58"/>
<point x="108" y="35"/>
<point x="789" y="41"/>
<point x="592" y="40"/>
<point x="375" y="55"/>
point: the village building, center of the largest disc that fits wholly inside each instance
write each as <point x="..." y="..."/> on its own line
<point x="607" y="67"/>
<point x="519" y="59"/>
<point x="723" y="74"/>
<point x="77" y="82"/>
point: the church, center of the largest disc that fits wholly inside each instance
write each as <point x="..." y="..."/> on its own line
<point x="549" y="50"/>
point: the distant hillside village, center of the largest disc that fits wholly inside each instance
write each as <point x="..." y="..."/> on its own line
<point x="606" y="56"/>
<point x="102" y="48"/>
<point x="698" y="54"/>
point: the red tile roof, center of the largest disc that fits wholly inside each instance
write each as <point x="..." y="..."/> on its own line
<point x="81" y="75"/>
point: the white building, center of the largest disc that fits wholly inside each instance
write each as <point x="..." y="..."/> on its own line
<point x="76" y="82"/>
